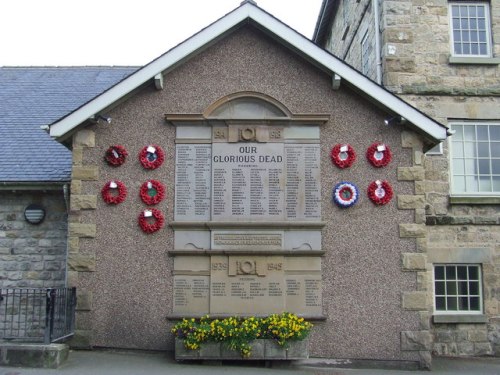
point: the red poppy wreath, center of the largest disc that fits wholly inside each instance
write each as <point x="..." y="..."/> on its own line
<point x="151" y="157"/>
<point x="379" y="155"/>
<point x="380" y="192"/>
<point x="152" y="192"/>
<point x="343" y="156"/>
<point x="114" y="192"/>
<point x="151" y="220"/>
<point x="115" y="155"/>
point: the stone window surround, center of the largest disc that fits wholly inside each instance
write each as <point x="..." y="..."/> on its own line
<point x="455" y="280"/>
<point x="489" y="44"/>
<point x="468" y="256"/>
<point x="472" y="197"/>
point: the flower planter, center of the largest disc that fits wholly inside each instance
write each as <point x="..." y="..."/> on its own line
<point x="261" y="350"/>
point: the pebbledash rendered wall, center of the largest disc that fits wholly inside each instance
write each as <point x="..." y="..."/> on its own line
<point x="374" y="294"/>
<point x="32" y="256"/>
<point x="420" y="72"/>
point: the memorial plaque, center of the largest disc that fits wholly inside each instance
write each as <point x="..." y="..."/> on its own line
<point x="303" y="293"/>
<point x="302" y="192"/>
<point x="192" y="182"/>
<point x="247" y="240"/>
<point x="248" y="181"/>
<point x="247" y="285"/>
<point x="191" y="294"/>
<point x="267" y="182"/>
<point x="248" y="176"/>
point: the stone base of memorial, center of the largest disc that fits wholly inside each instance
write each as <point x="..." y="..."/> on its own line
<point x="261" y="350"/>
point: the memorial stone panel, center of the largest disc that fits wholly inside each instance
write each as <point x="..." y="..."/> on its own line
<point x="192" y="182"/>
<point x="191" y="294"/>
<point x="247" y="285"/>
<point x="226" y="193"/>
<point x="303" y="293"/>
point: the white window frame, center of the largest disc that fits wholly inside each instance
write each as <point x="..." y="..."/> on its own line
<point x="436" y="150"/>
<point x="454" y="172"/>
<point x="480" y="289"/>
<point x="488" y="30"/>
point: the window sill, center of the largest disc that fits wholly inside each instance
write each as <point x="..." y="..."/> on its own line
<point x="474" y="60"/>
<point x="474" y="200"/>
<point x="461" y="319"/>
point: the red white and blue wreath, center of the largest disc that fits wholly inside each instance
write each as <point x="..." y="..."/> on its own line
<point x="151" y="157"/>
<point x="379" y="155"/>
<point x="151" y="220"/>
<point x="152" y="192"/>
<point x="345" y="194"/>
<point x="115" y="155"/>
<point x="343" y="156"/>
<point x="114" y="192"/>
<point x="380" y="192"/>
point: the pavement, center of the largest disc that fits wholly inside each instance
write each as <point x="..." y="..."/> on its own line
<point x="113" y="362"/>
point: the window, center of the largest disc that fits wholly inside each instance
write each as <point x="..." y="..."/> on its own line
<point x="470" y="29"/>
<point x="457" y="289"/>
<point x="475" y="159"/>
<point x="366" y="51"/>
<point x="436" y="150"/>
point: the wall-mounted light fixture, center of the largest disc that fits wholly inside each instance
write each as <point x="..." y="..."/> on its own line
<point x="396" y="120"/>
<point x="34" y="214"/>
<point x="103" y="118"/>
<point x="96" y="118"/>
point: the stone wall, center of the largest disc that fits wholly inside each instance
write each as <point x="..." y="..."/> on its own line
<point x="32" y="256"/>
<point x="421" y="74"/>
<point x="346" y="35"/>
<point x="412" y="65"/>
<point x="457" y="233"/>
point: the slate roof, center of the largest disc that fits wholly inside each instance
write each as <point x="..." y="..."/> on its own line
<point x="34" y="96"/>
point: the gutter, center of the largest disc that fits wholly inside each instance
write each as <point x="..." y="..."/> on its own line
<point x="319" y="22"/>
<point x="25" y="185"/>
<point x="378" y="52"/>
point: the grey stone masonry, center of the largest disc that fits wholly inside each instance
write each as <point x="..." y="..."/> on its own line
<point x="31" y="255"/>
<point x="448" y="228"/>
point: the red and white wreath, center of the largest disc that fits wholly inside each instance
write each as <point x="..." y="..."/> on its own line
<point x="380" y="192"/>
<point x="151" y="220"/>
<point x="152" y="192"/>
<point x="151" y="157"/>
<point x="115" y="155"/>
<point x="114" y="192"/>
<point x="343" y="156"/>
<point x="379" y="155"/>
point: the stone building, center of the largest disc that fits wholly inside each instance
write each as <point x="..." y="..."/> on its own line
<point x="238" y="124"/>
<point x="442" y="57"/>
<point x="244" y="116"/>
<point x="35" y="171"/>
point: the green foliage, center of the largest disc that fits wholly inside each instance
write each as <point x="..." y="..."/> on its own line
<point x="237" y="333"/>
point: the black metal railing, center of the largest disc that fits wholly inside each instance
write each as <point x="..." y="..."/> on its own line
<point x="37" y="315"/>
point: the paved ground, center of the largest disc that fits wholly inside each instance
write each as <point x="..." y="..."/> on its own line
<point x="132" y="363"/>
